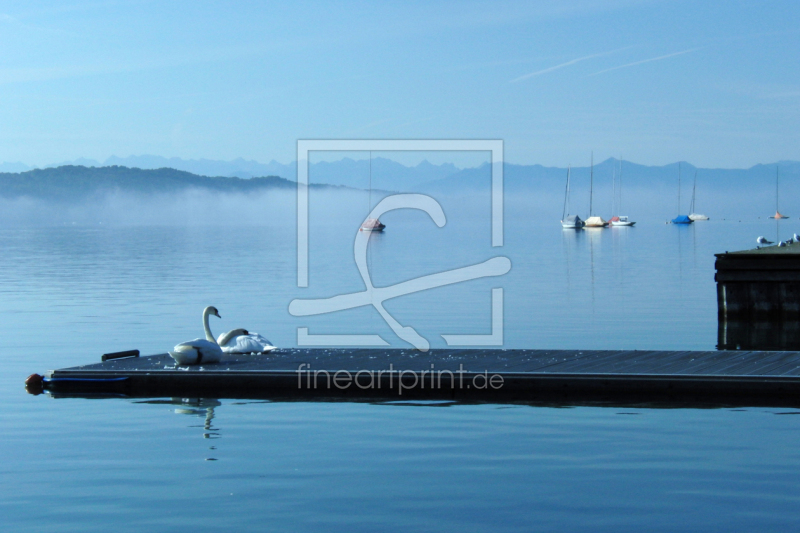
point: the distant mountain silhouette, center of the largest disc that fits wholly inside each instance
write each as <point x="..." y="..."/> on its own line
<point x="239" y="168"/>
<point x="74" y="183"/>
<point x="9" y="166"/>
<point x="159" y="174"/>
<point x="386" y="174"/>
<point x="535" y="178"/>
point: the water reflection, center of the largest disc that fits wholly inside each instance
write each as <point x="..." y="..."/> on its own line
<point x="770" y="336"/>
<point x="199" y="407"/>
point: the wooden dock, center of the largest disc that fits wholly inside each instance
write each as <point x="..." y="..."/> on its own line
<point x="762" y="284"/>
<point x="675" y="377"/>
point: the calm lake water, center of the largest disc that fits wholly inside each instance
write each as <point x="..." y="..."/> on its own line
<point x="72" y="293"/>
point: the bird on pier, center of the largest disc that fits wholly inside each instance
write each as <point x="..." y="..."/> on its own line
<point x="781" y="244"/>
<point x="762" y="240"/>
<point x="236" y="341"/>
<point x="795" y="238"/>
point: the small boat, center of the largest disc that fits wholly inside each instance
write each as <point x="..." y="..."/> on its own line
<point x="572" y="222"/>
<point x="593" y="221"/>
<point x="619" y="221"/>
<point x="777" y="214"/>
<point x="569" y="221"/>
<point x="680" y="219"/>
<point x="695" y="216"/>
<point x="622" y="221"/>
<point x="371" y="224"/>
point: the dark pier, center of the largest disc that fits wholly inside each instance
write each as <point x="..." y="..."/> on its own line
<point x="673" y="377"/>
<point x="760" y="284"/>
<point x="758" y="298"/>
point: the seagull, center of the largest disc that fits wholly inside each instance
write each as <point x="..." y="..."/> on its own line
<point x="795" y="238"/>
<point x="781" y="244"/>
<point x="762" y="240"/>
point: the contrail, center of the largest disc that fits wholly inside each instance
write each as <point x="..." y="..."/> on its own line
<point x="568" y="63"/>
<point x="648" y="60"/>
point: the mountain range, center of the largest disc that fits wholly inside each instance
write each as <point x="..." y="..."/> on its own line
<point x="147" y="174"/>
<point x="77" y="183"/>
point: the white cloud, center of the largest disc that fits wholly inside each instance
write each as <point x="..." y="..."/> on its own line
<point x="648" y="60"/>
<point x="568" y="63"/>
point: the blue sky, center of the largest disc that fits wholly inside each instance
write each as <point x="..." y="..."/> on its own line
<point x="713" y="83"/>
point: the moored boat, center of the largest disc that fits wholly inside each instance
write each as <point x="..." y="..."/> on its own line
<point x="572" y="222"/>
<point x="593" y="221"/>
<point x="777" y="214"/>
<point x="680" y="219"/>
<point x="618" y="221"/>
<point x="372" y="224"/>
<point x="695" y="216"/>
<point x="569" y="221"/>
<point x="622" y="221"/>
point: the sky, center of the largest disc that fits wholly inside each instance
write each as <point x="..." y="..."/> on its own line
<point x="714" y="83"/>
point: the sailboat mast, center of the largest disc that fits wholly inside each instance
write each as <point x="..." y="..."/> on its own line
<point x="613" y="188"/>
<point x="694" y="191"/>
<point x="591" y="185"/>
<point x="566" y="195"/>
<point x="777" y="177"/>
<point x="620" y="184"/>
<point x="369" y="207"/>
<point x="679" y="188"/>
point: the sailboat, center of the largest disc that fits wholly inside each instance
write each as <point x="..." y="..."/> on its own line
<point x="621" y="220"/>
<point x="777" y="214"/>
<point x="695" y="216"/>
<point x="371" y="224"/>
<point x="569" y="221"/>
<point x="680" y="219"/>
<point x="593" y="221"/>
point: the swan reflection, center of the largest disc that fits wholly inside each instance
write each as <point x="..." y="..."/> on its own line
<point x="199" y="407"/>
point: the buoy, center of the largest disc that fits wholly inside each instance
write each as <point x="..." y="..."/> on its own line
<point x="34" y="384"/>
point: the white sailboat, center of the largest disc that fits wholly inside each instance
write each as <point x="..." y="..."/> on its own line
<point x="620" y="220"/>
<point x="371" y="224"/>
<point x="593" y="221"/>
<point x="777" y="214"/>
<point x="695" y="216"/>
<point x="569" y="221"/>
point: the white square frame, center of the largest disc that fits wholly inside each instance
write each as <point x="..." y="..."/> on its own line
<point x="305" y="146"/>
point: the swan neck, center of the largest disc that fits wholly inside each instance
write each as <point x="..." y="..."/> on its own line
<point x="209" y="336"/>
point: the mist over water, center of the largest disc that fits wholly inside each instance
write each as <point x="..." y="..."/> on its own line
<point x="190" y="208"/>
<point x="541" y="199"/>
<point x="71" y="292"/>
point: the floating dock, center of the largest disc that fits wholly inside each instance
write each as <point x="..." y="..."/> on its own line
<point x="745" y="378"/>
<point x="762" y="284"/>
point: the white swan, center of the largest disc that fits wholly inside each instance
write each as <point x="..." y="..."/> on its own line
<point x="196" y="352"/>
<point x="243" y="341"/>
<point x="237" y="340"/>
<point x="199" y="350"/>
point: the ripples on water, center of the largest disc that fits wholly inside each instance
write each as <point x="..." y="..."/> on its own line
<point x="70" y="294"/>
